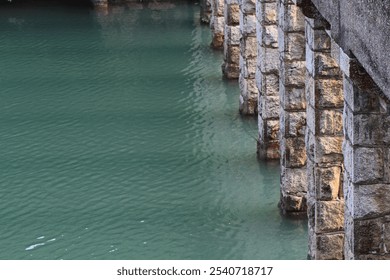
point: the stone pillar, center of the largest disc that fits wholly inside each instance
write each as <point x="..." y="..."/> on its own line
<point x="324" y="137"/>
<point x="291" y="30"/>
<point x="205" y="11"/>
<point x="267" y="77"/>
<point x="367" y="165"/>
<point x="248" y="57"/>
<point x="231" y="45"/>
<point x="217" y="23"/>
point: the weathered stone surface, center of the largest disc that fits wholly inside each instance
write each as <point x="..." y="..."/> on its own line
<point x="293" y="73"/>
<point x="293" y="98"/>
<point x="293" y="153"/>
<point x="329" y="216"/>
<point x="267" y="12"/>
<point x="248" y="6"/>
<point x="293" y="46"/>
<point x="268" y="59"/>
<point x="232" y="33"/>
<point x="291" y="18"/>
<point x="294" y="181"/>
<point x="367" y="165"/>
<point x="233" y="16"/>
<point x="330" y="246"/>
<point x="371" y="200"/>
<point x="324" y="93"/>
<point x="328" y="182"/>
<point x="367" y="237"/>
<point x="269" y="107"/>
<point x="268" y="84"/>
<point x="293" y="124"/>
<point x="247" y="24"/>
<point x="269" y="36"/>
<point x="317" y="40"/>
<point x="326" y="149"/>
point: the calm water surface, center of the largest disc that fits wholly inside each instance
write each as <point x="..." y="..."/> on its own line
<point x="120" y="140"/>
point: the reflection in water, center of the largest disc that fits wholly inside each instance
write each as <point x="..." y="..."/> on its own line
<point x="120" y="140"/>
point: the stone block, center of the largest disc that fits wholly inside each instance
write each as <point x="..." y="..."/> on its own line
<point x="367" y="166"/>
<point x="330" y="246"/>
<point x="364" y="129"/>
<point x="232" y="35"/>
<point x="360" y="101"/>
<point x="325" y="66"/>
<point x="292" y="203"/>
<point x="293" y="124"/>
<point x="292" y="98"/>
<point x="327" y="149"/>
<point x="268" y="61"/>
<point x="268" y="84"/>
<point x="267" y="12"/>
<point x="294" y="181"/>
<point x="328" y="93"/>
<point x="233" y="55"/>
<point x="293" y="46"/>
<point x="328" y="182"/>
<point x="317" y="39"/>
<point x="219" y="25"/>
<point x="371" y="200"/>
<point x="293" y="152"/>
<point x="272" y="129"/>
<point x="249" y="47"/>
<point x="269" y="36"/>
<point x="232" y="14"/>
<point x="367" y="236"/>
<point x="269" y="106"/>
<point x="218" y="8"/>
<point x="386" y="236"/>
<point x="248" y="6"/>
<point x="329" y="216"/>
<point x="291" y="18"/>
<point x="248" y="70"/>
<point x="293" y="73"/>
<point x="248" y="24"/>
<point x="330" y="123"/>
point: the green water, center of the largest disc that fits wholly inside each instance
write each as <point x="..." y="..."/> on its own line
<point x="120" y="140"/>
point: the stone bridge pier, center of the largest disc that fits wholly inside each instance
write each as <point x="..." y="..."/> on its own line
<point x="319" y="74"/>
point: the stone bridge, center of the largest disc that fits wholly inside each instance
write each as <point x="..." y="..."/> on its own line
<point x="316" y="72"/>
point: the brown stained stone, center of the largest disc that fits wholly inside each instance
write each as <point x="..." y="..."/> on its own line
<point x="217" y="42"/>
<point x="291" y="203"/>
<point x="293" y="152"/>
<point x="233" y="12"/>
